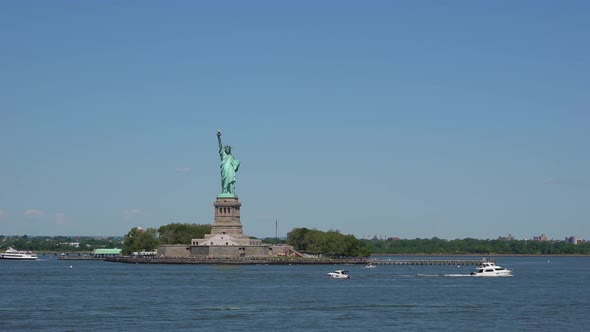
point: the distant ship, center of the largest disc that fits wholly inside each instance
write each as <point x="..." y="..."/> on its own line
<point x="12" y="253"/>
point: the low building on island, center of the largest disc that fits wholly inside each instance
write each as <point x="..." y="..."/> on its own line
<point x="104" y="253"/>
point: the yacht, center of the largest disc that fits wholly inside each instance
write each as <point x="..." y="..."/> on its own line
<point x="490" y="269"/>
<point x="12" y="253"/>
<point x="369" y="266"/>
<point x="339" y="274"/>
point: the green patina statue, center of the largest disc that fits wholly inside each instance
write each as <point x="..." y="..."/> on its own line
<point x="229" y="166"/>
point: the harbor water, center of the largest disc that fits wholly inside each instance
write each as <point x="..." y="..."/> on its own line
<point x="545" y="294"/>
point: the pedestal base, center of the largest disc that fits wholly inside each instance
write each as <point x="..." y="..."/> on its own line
<point x="227" y="217"/>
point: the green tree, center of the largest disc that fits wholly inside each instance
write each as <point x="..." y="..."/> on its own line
<point x="179" y="233"/>
<point x="296" y="238"/>
<point x="139" y="240"/>
<point x="313" y="242"/>
<point x="331" y="243"/>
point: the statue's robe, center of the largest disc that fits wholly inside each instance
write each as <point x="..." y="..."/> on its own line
<point x="229" y="166"/>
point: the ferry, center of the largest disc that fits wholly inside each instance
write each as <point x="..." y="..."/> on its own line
<point x="12" y="253"/>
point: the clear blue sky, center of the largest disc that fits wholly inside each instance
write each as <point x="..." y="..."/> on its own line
<point x="391" y="118"/>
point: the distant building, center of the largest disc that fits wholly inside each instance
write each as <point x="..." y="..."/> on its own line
<point x="506" y="238"/>
<point x="71" y="244"/>
<point x="543" y="237"/>
<point x="394" y="238"/>
<point x="573" y="240"/>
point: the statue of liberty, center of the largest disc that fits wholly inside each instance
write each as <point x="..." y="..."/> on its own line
<point x="229" y="166"/>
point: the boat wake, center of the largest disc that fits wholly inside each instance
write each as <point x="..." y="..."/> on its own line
<point x="444" y="275"/>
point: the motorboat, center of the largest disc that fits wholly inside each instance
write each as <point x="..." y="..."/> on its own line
<point x="369" y="266"/>
<point x="339" y="274"/>
<point x="490" y="269"/>
<point x="12" y="253"/>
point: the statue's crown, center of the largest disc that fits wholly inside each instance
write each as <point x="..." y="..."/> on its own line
<point x="227" y="146"/>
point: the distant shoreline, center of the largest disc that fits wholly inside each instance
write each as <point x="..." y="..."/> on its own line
<point x="480" y="255"/>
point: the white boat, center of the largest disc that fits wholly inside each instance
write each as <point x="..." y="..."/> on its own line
<point x="490" y="269"/>
<point x="339" y="274"/>
<point x="12" y="253"/>
<point x="369" y="266"/>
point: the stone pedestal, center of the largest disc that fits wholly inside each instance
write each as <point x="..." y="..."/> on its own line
<point x="227" y="217"/>
<point x="227" y="238"/>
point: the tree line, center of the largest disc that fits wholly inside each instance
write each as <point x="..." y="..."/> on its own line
<point x="476" y="246"/>
<point x="312" y="241"/>
<point x="138" y="239"/>
<point x="331" y="243"/>
<point x="59" y="243"/>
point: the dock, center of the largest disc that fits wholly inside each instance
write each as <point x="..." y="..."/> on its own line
<point x="80" y="258"/>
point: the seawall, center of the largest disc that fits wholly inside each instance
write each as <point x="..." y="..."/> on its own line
<point x="289" y="261"/>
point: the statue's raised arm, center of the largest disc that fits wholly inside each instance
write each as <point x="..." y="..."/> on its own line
<point x="219" y="140"/>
